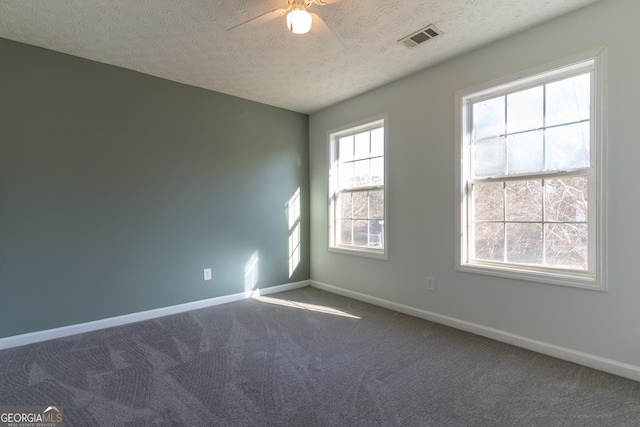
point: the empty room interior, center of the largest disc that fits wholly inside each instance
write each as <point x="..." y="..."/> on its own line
<point x="320" y="213"/>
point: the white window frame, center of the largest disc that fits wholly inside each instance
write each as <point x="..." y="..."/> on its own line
<point x="332" y="140"/>
<point x="595" y="279"/>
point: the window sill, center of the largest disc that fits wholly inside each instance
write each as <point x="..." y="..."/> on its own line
<point x="363" y="252"/>
<point x="583" y="281"/>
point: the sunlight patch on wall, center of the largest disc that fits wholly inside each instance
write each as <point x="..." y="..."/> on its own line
<point x="293" y="214"/>
<point x="251" y="272"/>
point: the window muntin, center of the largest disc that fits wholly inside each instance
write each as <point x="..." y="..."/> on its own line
<point x="357" y="189"/>
<point x="530" y="178"/>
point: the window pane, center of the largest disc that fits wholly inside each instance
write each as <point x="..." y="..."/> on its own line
<point x="345" y="175"/>
<point x="489" y="241"/>
<point x="566" y="246"/>
<point x="567" y="147"/>
<point x="566" y="199"/>
<point x="361" y="173"/>
<point x="488" y="118"/>
<point x="568" y="100"/>
<point x="488" y="201"/>
<point x="344" y="205"/>
<point x="377" y="142"/>
<point x="360" y="205"/>
<point x="525" y="110"/>
<point x="489" y="158"/>
<point x="362" y="145"/>
<point x="375" y="233"/>
<point x="525" y="152"/>
<point x="524" y="200"/>
<point x="376" y="204"/>
<point x="360" y="233"/>
<point x="346" y="148"/>
<point x="524" y="243"/>
<point x="377" y="171"/>
<point x="346" y="231"/>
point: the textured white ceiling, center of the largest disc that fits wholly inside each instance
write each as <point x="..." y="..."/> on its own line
<point x="186" y="41"/>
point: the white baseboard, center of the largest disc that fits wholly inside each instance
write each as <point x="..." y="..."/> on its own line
<point x="65" y="331"/>
<point x="592" y="361"/>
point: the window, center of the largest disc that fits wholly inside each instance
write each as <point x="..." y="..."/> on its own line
<point x="531" y="198"/>
<point x="357" y="208"/>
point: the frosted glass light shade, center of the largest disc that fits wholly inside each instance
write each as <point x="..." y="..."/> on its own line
<point x="299" y="21"/>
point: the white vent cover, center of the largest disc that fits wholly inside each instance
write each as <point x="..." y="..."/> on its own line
<point x="421" y="36"/>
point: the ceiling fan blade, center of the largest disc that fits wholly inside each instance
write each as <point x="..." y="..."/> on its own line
<point x="325" y="2"/>
<point x="258" y="20"/>
<point x="326" y="35"/>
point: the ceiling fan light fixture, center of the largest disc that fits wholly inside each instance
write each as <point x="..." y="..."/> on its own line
<point x="299" y="21"/>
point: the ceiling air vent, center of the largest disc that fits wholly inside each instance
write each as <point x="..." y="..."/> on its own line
<point x="419" y="37"/>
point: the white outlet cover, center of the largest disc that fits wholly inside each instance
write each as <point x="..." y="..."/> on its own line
<point x="431" y="284"/>
<point x="207" y="274"/>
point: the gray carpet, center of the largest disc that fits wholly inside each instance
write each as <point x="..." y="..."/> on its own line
<point x="307" y="363"/>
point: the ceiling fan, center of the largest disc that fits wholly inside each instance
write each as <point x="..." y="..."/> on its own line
<point x="299" y="21"/>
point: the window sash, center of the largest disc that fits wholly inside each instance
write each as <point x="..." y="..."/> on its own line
<point x="586" y="68"/>
<point x="471" y="221"/>
<point x="544" y="221"/>
<point x="338" y="217"/>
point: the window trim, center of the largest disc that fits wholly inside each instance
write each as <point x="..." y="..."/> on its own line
<point x="597" y="280"/>
<point x="332" y="136"/>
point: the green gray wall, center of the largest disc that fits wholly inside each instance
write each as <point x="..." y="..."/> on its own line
<point x="422" y="193"/>
<point x="117" y="189"/>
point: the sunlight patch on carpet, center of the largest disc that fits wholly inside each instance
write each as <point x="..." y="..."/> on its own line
<point x="305" y="306"/>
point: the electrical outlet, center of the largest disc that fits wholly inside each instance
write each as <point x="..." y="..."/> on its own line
<point x="207" y="274"/>
<point x="431" y="284"/>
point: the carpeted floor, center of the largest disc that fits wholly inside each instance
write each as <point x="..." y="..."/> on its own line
<point x="307" y="358"/>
